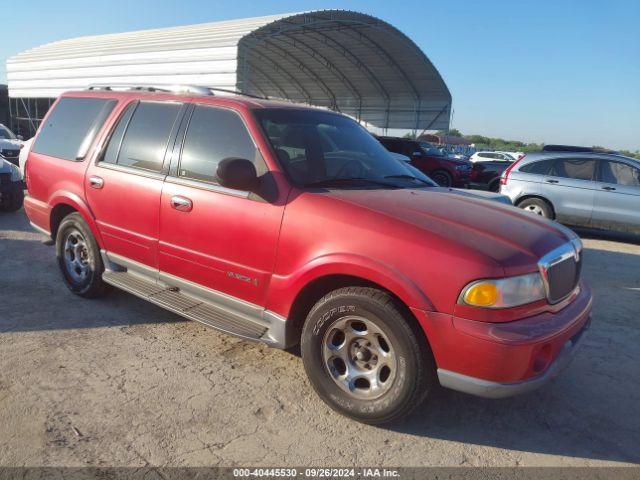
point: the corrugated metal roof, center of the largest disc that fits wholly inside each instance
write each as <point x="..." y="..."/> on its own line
<point x="348" y="61"/>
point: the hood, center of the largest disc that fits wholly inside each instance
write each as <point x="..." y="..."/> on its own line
<point x="514" y="239"/>
<point x="10" y="144"/>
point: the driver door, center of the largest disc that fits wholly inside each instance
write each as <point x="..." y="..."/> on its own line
<point x="211" y="236"/>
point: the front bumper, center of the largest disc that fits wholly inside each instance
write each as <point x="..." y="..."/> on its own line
<point x="10" y="187"/>
<point x="488" y="389"/>
<point x="499" y="359"/>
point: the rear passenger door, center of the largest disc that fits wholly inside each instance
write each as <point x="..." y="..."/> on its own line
<point x="211" y="236"/>
<point x="123" y="187"/>
<point x="617" y="196"/>
<point x="570" y="187"/>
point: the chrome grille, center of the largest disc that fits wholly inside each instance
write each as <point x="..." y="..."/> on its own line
<point x="560" y="271"/>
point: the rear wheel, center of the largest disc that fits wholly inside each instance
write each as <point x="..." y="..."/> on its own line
<point x="364" y="357"/>
<point x="537" y="206"/>
<point x="12" y="200"/>
<point x="494" y="185"/>
<point x="79" y="257"/>
<point x="442" y="178"/>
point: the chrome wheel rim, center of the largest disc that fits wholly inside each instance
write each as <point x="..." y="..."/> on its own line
<point x="534" y="209"/>
<point x="76" y="256"/>
<point x="359" y="357"/>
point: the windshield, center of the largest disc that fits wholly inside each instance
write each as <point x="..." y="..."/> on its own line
<point x="431" y="150"/>
<point x="6" y="134"/>
<point x="318" y="148"/>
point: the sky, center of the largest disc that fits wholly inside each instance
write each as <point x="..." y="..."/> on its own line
<point x="545" y="71"/>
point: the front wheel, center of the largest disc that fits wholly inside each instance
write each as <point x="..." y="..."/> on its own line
<point x="364" y="357"/>
<point x="79" y="257"/>
<point x="12" y="199"/>
<point x="442" y="178"/>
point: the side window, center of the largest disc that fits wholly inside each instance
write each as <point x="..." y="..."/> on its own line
<point x="111" y="153"/>
<point x="213" y="135"/>
<point x="538" y="168"/>
<point x="393" y="146"/>
<point x="410" y="148"/>
<point x="620" y="174"/>
<point x="574" y="168"/>
<point x="71" y="127"/>
<point x="145" y="140"/>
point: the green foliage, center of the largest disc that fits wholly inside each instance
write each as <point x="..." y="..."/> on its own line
<point x="628" y="153"/>
<point x="482" y="142"/>
<point x="454" y="132"/>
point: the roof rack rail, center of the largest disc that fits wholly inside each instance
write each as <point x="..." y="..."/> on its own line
<point x="152" y="88"/>
<point x="195" y="89"/>
<point x="573" y="148"/>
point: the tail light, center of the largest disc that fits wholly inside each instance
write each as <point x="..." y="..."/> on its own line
<point x="505" y="175"/>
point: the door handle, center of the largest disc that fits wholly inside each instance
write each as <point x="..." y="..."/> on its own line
<point x="96" y="182"/>
<point x="182" y="204"/>
<point x="608" y="189"/>
<point x="551" y="181"/>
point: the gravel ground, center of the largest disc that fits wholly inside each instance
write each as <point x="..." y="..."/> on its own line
<point x="120" y="382"/>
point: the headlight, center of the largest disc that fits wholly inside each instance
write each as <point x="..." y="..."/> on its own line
<point x="16" y="175"/>
<point x="503" y="292"/>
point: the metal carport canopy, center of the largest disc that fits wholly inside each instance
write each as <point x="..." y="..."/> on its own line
<point x="348" y="61"/>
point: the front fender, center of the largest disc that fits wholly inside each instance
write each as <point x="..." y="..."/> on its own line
<point x="285" y="288"/>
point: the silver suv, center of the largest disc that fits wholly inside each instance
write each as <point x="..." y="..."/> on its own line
<point x="577" y="188"/>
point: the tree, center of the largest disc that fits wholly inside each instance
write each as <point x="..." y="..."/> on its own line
<point x="452" y="132"/>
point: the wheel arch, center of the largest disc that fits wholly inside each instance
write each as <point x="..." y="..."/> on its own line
<point x="316" y="282"/>
<point x="63" y="204"/>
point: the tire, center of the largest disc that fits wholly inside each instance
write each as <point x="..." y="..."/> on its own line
<point x="442" y="178"/>
<point x="79" y="257"/>
<point x="376" y="339"/>
<point x="494" y="185"/>
<point x="537" y="206"/>
<point x="13" y="200"/>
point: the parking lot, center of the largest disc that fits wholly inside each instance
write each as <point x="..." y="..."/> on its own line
<point x="118" y="381"/>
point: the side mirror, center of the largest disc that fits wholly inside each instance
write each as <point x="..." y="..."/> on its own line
<point x="238" y="174"/>
<point x="19" y="137"/>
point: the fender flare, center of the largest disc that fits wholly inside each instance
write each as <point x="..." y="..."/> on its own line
<point x="62" y="197"/>
<point x="287" y="288"/>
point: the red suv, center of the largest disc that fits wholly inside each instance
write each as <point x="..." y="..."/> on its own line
<point x="287" y="224"/>
<point x="445" y="171"/>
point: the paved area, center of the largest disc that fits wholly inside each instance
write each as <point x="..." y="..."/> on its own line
<point x="117" y="381"/>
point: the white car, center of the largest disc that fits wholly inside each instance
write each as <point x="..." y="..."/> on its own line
<point x="492" y="157"/>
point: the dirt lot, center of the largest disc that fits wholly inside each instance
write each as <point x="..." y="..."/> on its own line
<point x="118" y="381"/>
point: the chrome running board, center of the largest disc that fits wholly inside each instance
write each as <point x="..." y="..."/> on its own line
<point x="212" y="308"/>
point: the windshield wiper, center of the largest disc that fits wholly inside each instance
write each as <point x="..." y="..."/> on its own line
<point x="409" y="177"/>
<point x="328" y="182"/>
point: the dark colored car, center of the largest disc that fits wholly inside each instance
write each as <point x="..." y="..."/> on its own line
<point x="288" y="225"/>
<point x="442" y="169"/>
<point x="485" y="175"/>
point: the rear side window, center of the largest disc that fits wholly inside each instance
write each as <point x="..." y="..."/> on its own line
<point x="620" y="174"/>
<point x="392" y="145"/>
<point x="141" y="136"/>
<point x="542" y="167"/>
<point x="213" y="135"/>
<point x="574" y="168"/>
<point x="71" y="127"/>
